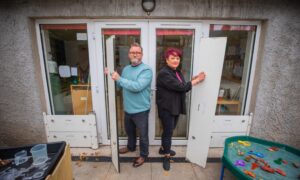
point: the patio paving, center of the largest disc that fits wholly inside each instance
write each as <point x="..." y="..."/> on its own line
<point x="85" y="170"/>
<point x="148" y="171"/>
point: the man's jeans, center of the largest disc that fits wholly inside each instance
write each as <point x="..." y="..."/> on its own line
<point x="137" y="121"/>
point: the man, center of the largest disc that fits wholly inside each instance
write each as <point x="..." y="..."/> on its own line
<point x="136" y="85"/>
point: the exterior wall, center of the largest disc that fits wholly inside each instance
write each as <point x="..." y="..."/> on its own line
<point x="275" y="105"/>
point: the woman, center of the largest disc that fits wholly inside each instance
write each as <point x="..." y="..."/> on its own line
<point x="170" y="99"/>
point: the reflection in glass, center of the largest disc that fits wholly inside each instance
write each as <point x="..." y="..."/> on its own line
<point x="66" y="57"/>
<point x="123" y="38"/>
<point x="183" y="40"/>
<point x="236" y="67"/>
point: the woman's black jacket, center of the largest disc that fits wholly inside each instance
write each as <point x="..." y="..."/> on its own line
<point x="170" y="94"/>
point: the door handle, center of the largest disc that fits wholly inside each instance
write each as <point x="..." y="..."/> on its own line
<point x="201" y="106"/>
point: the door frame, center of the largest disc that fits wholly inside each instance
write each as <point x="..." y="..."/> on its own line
<point x="99" y="64"/>
<point x="153" y="25"/>
<point x="147" y="37"/>
<point x="97" y="76"/>
<point x="201" y="32"/>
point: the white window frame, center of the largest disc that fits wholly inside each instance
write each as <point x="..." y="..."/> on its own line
<point x="44" y="68"/>
<point x="253" y="58"/>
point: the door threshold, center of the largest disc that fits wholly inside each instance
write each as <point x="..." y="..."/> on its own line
<point x="105" y="151"/>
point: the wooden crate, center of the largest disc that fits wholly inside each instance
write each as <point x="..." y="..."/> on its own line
<point x="81" y="99"/>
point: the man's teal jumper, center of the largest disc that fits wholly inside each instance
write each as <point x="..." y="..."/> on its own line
<point x="136" y="84"/>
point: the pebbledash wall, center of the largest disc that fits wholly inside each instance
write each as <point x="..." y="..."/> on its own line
<point x="276" y="96"/>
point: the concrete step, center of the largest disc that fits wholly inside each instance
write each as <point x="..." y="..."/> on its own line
<point x="103" y="154"/>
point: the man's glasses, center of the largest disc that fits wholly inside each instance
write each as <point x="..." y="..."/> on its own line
<point x="136" y="53"/>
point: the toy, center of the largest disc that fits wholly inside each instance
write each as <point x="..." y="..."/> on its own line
<point x="272" y="149"/>
<point x="281" y="172"/>
<point x="249" y="173"/>
<point x="240" y="163"/>
<point x="260" y="155"/>
<point x="255" y="158"/>
<point x="262" y="161"/>
<point x="254" y="165"/>
<point x="245" y="143"/>
<point x="248" y="158"/>
<point x="267" y="168"/>
<point x="278" y="161"/>
<point x="284" y="161"/>
<point x="240" y="153"/>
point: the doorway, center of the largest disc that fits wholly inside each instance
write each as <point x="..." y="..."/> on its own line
<point x="155" y="38"/>
<point x="115" y="40"/>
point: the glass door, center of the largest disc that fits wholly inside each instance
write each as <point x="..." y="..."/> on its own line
<point x="164" y="36"/>
<point x="116" y="58"/>
<point x="113" y="41"/>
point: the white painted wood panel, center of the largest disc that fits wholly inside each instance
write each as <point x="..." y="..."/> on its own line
<point x="112" y="105"/>
<point x="230" y="124"/>
<point x="78" y="131"/>
<point x="69" y="122"/>
<point x="218" y="139"/>
<point x="75" y="139"/>
<point x="210" y="53"/>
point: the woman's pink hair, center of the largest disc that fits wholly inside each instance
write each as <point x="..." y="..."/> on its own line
<point x="173" y="51"/>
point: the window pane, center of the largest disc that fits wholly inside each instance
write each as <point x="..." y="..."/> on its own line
<point x="68" y="72"/>
<point x="182" y="39"/>
<point x="122" y="41"/>
<point x="236" y="67"/>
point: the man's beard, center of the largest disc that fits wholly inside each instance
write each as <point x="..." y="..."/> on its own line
<point x="134" y="62"/>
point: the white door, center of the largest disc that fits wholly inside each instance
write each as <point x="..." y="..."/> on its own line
<point x="114" y="140"/>
<point x="210" y="55"/>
